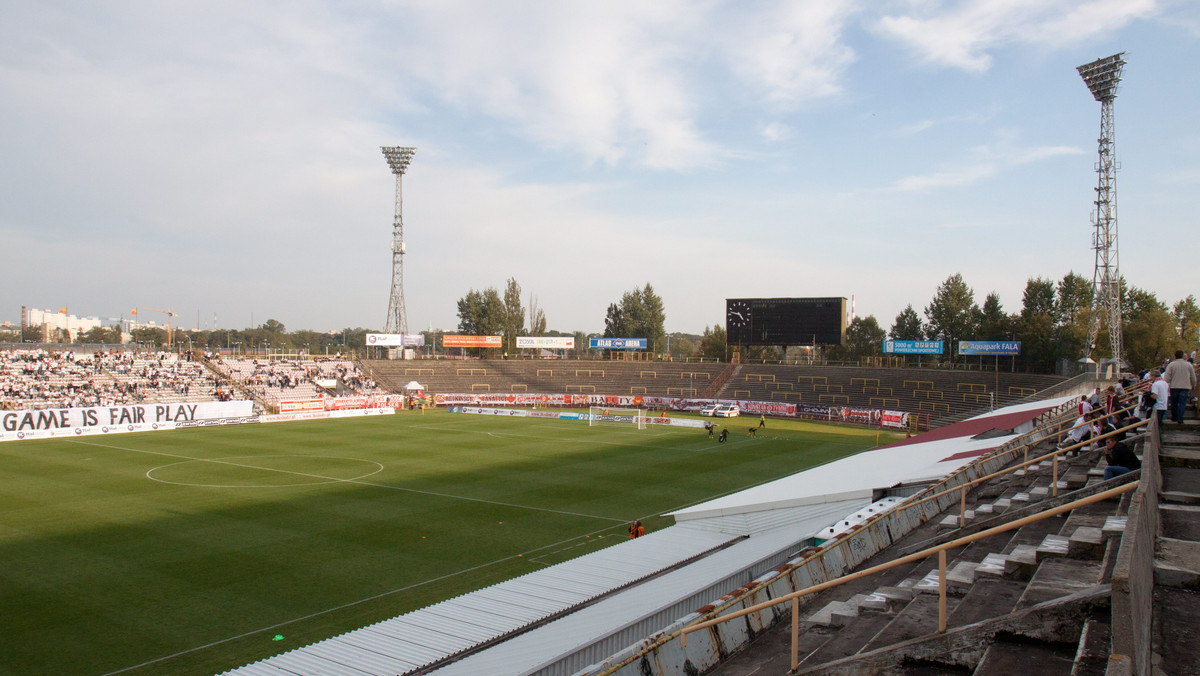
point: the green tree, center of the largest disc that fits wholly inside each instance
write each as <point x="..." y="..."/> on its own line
<point x="1038" y="298"/>
<point x="1187" y="316"/>
<point x="993" y="324"/>
<point x="514" y="315"/>
<point x="952" y="312"/>
<point x="1150" y="332"/>
<point x="1073" y="308"/>
<point x="907" y="325"/>
<point x="1034" y="327"/>
<point x="712" y="343"/>
<point x="639" y="314"/>
<point x="537" y="318"/>
<point x="864" y="338"/>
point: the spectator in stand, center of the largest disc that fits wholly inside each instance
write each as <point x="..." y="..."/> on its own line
<point x="1181" y="378"/>
<point x="1162" y="393"/>
<point x="1120" y="459"/>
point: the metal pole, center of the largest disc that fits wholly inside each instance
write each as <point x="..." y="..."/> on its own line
<point x="942" y="591"/>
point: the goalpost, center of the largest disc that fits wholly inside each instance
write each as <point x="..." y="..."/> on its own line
<point x="604" y="415"/>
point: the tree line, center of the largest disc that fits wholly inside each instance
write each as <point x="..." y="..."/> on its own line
<point x="1051" y="325"/>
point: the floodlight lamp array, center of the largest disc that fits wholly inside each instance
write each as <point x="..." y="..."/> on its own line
<point x="1102" y="75"/>
<point x="398" y="157"/>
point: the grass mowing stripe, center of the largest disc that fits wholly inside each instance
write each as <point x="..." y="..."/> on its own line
<point x="141" y="577"/>
<point x="359" y="482"/>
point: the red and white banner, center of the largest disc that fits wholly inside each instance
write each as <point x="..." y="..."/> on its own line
<point x="301" y="405"/>
<point x="894" y="419"/>
<point x="471" y="341"/>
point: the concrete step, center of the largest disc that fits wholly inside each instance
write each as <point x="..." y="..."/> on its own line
<point x="1095" y="646"/>
<point x="1022" y="562"/>
<point x="960" y="577"/>
<point x="896" y="596"/>
<point x="1114" y="527"/>
<point x="992" y="565"/>
<point x="918" y="618"/>
<point x="1004" y="658"/>
<point x="1176" y="616"/>
<point x="1053" y="545"/>
<point x="835" y="614"/>
<point x="1180" y="522"/>
<point x="988" y="598"/>
<point x="1086" y="542"/>
<point x="1177" y="563"/>
<point x="1059" y="577"/>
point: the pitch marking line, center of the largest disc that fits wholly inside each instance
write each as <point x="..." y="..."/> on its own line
<point x="356" y="481"/>
<point x="350" y="604"/>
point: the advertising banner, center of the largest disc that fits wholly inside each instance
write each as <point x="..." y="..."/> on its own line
<point x="617" y="343"/>
<point x="546" y="342"/>
<point x="395" y="340"/>
<point x="990" y="348"/>
<point x="912" y="347"/>
<point x="106" y="419"/>
<point x="472" y="341"/>
<point x="303" y="405"/>
<point x="894" y="419"/>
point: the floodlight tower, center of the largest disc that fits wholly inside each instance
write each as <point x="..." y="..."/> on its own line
<point x="1101" y="77"/>
<point x="397" y="319"/>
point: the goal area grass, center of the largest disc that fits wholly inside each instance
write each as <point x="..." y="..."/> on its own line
<point x="196" y="551"/>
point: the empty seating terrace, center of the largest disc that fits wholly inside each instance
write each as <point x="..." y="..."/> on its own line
<point x="932" y="391"/>
<point x="655" y="379"/>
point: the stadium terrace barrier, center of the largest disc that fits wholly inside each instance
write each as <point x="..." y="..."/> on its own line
<point x="663" y="652"/>
<point x="840" y="414"/>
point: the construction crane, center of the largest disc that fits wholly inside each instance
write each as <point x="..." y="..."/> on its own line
<point x="168" y="313"/>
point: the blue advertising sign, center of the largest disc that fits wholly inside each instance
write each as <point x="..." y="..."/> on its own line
<point x="912" y="347"/>
<point x="991" y="348"/>
<point x="617" y="343"/>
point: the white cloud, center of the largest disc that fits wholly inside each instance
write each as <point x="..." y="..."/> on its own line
<point x="776" y="132"/>
<point x="986" y="161"/>
<point x="961" y="35"/>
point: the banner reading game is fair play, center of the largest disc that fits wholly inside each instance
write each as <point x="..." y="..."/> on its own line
<point x="58" y="422"/>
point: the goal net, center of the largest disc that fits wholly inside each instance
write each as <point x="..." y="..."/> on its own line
<point x="607" y="415"/>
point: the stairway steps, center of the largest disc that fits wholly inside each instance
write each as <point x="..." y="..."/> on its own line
<point x="1053" y="545"/>
<point x="919" y="618"/>
<point x="1095" y="646"/>
<point x="1005" y="658"/>
<point x="1059" y="577"/>
<point x="989" y="597"/>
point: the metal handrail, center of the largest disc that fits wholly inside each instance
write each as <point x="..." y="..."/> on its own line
<point x="940" y="550"/>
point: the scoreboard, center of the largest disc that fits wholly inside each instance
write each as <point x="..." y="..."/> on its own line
<point x="785" y="321"/>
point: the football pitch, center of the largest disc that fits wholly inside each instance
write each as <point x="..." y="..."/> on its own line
<point x="196" y="551"/>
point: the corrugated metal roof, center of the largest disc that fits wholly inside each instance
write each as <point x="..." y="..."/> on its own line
<point x="425" y="636"/>
<point x="570" y="643"/>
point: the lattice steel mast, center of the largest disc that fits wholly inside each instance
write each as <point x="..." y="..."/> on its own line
<point x="397" y="319"/>
<point x="1101" y="77"/>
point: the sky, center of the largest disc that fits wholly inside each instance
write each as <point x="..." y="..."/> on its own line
<point x="222" y="159"/>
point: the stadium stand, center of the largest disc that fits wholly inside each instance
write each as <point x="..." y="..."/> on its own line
<point x="663" y="379"/>
<point x="33" y="379"/>
<point x="1066" y="571"/>
<point x="275" y="380"/>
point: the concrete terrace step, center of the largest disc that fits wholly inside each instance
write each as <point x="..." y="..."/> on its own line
<point x="1059" y="577"/>
<point x="1022" y="562"/>
<point x="1004" y="658"/>
<point x="1086" y="542"/>
<point x="1114" y="527"/>
<point x="1053" y="545"/>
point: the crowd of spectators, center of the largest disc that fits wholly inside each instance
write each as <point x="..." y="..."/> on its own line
<point x="276" y="380"/>
<point x="63" y="379"/>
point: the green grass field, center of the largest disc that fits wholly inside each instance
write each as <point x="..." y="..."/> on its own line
<point x="190" y="551"/>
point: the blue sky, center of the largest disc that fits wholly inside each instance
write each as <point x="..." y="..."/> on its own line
<point x="223" y="157"/>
